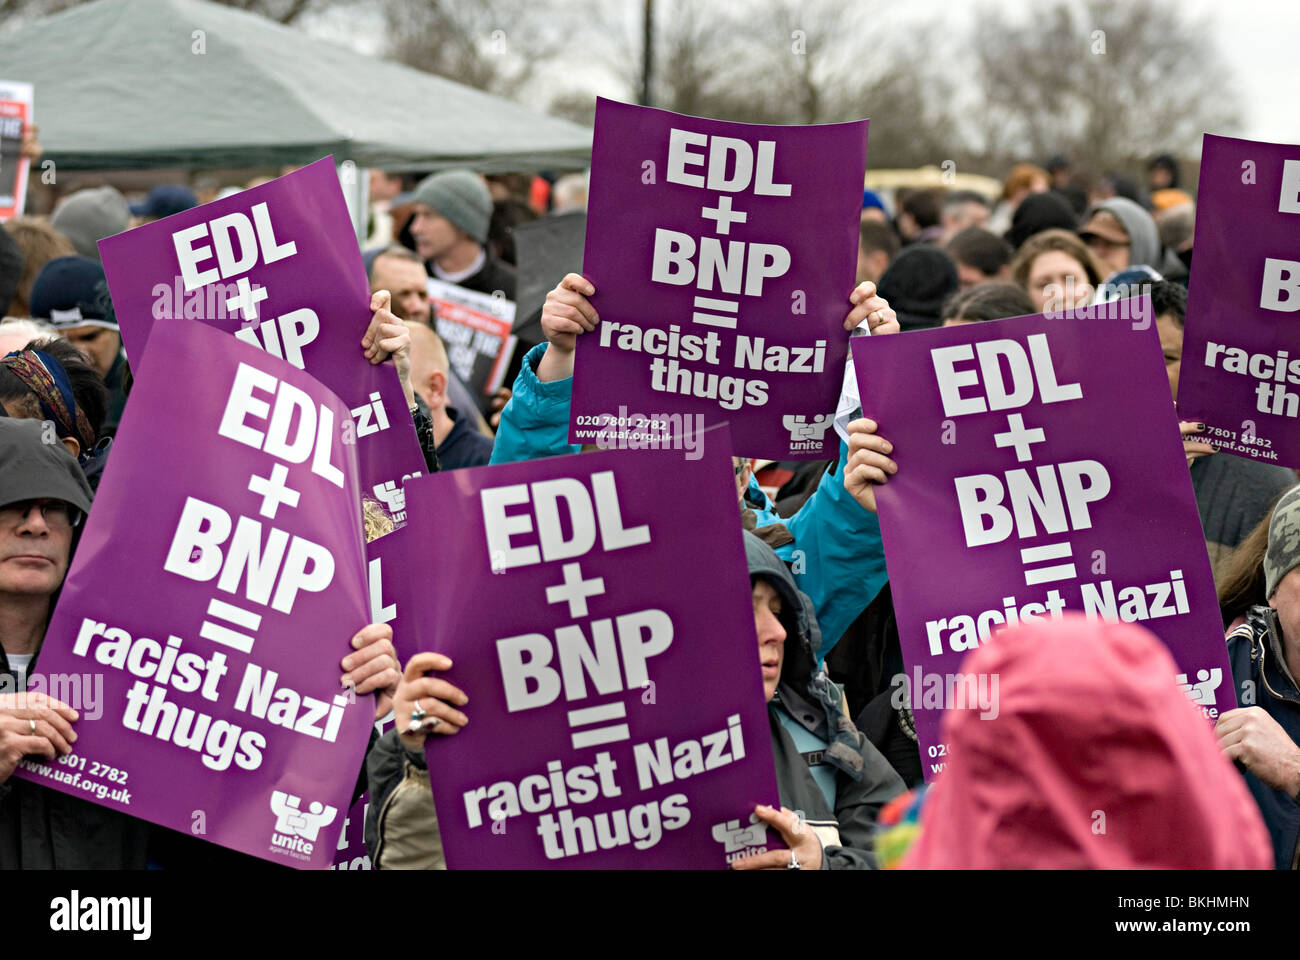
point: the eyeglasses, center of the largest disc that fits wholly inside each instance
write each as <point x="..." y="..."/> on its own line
<point x="55" y="513"/>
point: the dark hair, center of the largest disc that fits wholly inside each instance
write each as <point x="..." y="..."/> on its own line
<point x="1240" y="581"/>
<point x="1123" y="187"/>
<point x="1171" y="298"/>
<point x="87" y="387"/>
<point x="874" y="235"/>
<point x="1047" y="241"/>
<point x="987" y="301"/>
<point x="1166" y="161"/>
<point x="979" y="248"/>
<point x="924" y="206"/>
<point x="506" y="215"/>
<point x="959" y="197"/>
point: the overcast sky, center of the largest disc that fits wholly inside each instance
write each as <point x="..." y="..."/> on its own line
<point x="1258" y="39"/>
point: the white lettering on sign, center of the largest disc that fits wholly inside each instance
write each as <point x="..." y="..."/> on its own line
<point x="297" y="428"/>
<point x="588" y="514"/>
<point x="530" y="682"/>
<point x="296" y="563"/>
<point x="985" y="520"/>
<point x="1289" y="201"/>
<point x="1281" y="287"/>
<point x="252" y="237"/>
<point x="757" y="262"/>
<point x="723" y="153"/>
<point x="285" y="336"/>
<point x="1000" y="391"/>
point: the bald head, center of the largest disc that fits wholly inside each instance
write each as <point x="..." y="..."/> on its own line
<point x="429" y="365"/>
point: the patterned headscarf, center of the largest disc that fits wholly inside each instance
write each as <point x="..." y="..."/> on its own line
<point x="46" y="378"/>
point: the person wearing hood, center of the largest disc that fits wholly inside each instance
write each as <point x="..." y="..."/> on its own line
<point x="1263" y="734"/>
<point x="832" y="783"/>
<point x="825" y="767"/>
<point x="1095" y="759"/>
<point x="1120" y="235"/>
<point x="1091" y="725"/>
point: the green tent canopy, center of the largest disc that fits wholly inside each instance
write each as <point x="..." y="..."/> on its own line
<point x="122" y="84"/>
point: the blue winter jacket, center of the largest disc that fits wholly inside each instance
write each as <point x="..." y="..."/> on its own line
<point x="837" y="557"/>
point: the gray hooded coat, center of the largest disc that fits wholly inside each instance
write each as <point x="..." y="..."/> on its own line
<point x="864" y="779"/>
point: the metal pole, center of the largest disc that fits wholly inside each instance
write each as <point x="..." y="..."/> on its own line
<point x="647" y="50"/>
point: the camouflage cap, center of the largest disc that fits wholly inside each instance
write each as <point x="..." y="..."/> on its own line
<point x="1283" y="554"/>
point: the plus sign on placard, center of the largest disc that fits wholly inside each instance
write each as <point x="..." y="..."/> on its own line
<point x="273" y="490"/>
<point x="1018" y="437"/>
<point x="247" y="299"/>
<point x="575" y="590"/>
<point x="723" y="215"/>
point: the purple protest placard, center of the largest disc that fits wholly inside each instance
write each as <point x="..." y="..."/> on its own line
<point x="277" y="266"/>
<point x="616" y="709"/>
<point x="1240" y="370"/>
<point x="722" y="255"/>
<point x="1040" y="469"/>
<point x="216" y="599"/>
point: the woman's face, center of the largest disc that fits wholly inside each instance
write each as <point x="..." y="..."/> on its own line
<point x="1057" y="281"/>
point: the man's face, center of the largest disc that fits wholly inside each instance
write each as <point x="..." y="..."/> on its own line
<point x="408" y="282"/>
<point x="1113" y="249"/>
<point x="99" y="344"/>
<point x="969" y="276"/>
<point x="1171" y="342"/>
<point x="1286" y="601"/>
<point x="871" y="264"/>
<point x="383" y="187"/>
<point x="434" y="234"/>
<point x="34" y="549"/>
<point x="771" y="635"/>
<point x="970" y="214"/>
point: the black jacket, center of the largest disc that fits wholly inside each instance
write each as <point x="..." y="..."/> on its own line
<point x="1260" y="677"/>
<point x="42" y="829"/>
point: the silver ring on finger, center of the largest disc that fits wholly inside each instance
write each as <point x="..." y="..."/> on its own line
<point x="794" y="863"/>
<point x="32" y="723"/>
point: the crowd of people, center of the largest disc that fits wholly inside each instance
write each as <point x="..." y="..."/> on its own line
<point x="1021" y="790"/>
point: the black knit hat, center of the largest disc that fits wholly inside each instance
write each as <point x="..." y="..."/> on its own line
<point x="1039" y="212"/>
<point x="917" y="283"/>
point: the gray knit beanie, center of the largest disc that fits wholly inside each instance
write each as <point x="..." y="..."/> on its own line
<point x="1283" y="554"/>
<point x="89" y="216"/>
<point x="461" y="197"/>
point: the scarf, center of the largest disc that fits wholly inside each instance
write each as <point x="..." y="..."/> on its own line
<point x="47" y="379"/>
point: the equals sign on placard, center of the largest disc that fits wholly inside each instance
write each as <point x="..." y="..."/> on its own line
<point x="240" y="617"/>
<point x="608" y="733"/>
<point x="713" y="319"/>
<point x="1051" y="551"/>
